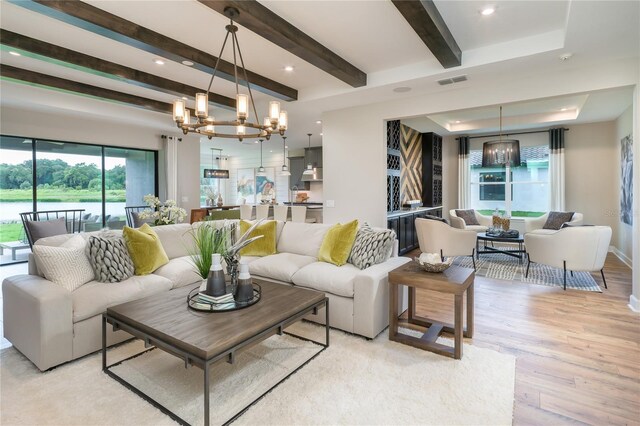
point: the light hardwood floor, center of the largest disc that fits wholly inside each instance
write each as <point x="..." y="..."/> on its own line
<point x="578" y="352"/>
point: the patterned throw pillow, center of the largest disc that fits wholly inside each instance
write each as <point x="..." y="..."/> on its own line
<point x="555" y="220"/>
<point x="371" y="247"/>
<point x="469" y="216"/>
<point x="109" y="258"/>
<point x="65" y="265"/>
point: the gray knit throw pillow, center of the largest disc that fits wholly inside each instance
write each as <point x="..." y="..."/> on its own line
<point x="109" y="258"/>
<point x="371" y="247"/>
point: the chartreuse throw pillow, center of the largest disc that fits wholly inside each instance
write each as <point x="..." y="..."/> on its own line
<point x="145" y="249"/>
<point x="337" y="243"/>
<point x="263" y="246"/>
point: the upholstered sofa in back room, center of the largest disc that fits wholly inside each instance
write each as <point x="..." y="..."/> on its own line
<point x="51" y="325"/>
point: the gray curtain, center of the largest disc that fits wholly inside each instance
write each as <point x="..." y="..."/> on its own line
<point x="464" y="183"/>
<point x="556" y="170"/>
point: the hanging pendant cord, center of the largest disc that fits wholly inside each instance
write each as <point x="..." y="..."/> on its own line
<point x="215" y="69"/>
<point x="246" y="79"/>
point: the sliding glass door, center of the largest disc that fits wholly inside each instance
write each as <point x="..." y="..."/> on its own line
<point x="129" y="176"/>
<point x="99" y="179"/>
<point x="16" y="196"/>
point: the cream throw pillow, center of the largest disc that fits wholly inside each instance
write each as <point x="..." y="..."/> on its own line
<point x="66" y="265"/>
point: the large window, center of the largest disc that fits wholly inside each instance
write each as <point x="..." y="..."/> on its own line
<point x="101" y="180"/>
<point x="529" y="183"/>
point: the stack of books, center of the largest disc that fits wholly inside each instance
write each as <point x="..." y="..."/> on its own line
<point x="204" y="301"/>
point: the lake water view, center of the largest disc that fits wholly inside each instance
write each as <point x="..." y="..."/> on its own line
<point x="11" y="211"/>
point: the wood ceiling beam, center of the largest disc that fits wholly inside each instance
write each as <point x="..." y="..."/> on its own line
<point x="98" y="21"/>
<point x="56" y="54"/>
<point x="10" y="73"/>
<point x="267" y="24"/>
<point x="426" y="21"/>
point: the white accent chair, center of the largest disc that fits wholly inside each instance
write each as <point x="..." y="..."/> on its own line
<point x="435" y="236"/>
<point x="457" y="222"/>
<point x="535" y="224"/>
<point x="575" y="248"/>
<point x="262" y="211"/>
<point x="280" y="213"/>
<point x="246" y="212"/>
<point x="298" y="213"/>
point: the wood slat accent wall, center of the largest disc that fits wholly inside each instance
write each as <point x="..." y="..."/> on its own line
<point x="411" y="164"/>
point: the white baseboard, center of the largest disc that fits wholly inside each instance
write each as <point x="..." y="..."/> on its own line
<point x="621" y="256"/>
<point x="634" y="303"/>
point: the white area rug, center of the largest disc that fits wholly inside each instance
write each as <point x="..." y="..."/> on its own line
<point x="354" y="381"/>
<point x="505" y="267"/>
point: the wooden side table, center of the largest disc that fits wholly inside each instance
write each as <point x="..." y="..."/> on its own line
<point x="454" y="280"/>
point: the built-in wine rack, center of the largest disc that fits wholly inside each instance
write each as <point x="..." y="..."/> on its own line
<point x="431" y="169"/>
<point x="393" y="166"/>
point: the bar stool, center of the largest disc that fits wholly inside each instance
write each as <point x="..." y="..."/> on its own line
<point x="280" y="213"/>
<point x="246" y="211"/>
<point x="262" y="211"/>
<point x="298" y="213"/>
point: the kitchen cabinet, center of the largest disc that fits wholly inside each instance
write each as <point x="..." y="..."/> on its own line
<point x="314" y="155"/>
<point x="296" y="167"/>
<point x="404" y="225"/>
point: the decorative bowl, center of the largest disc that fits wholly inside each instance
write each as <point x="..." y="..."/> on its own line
<point x="434" y="267"/>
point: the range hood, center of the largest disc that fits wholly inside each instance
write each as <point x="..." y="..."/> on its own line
<point x="316" y="177"/>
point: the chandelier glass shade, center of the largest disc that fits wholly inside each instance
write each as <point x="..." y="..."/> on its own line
<point x="242" y="127"/>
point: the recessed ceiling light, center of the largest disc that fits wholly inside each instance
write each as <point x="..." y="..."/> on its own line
<point x="319" y="122"/>
<point x="187" y="63"/>
<point x="288" y="68"/>
<point x="457" y="121"/>
<point x="286" y="146"/>
<point x="566" y="56"/>
<point x="256" y="142"/>
<point x="488" y="11"/>
<point x="185" y="98"/>
<point x="563" y="109"/>
<point x="320" y="134"/>
<point x="158" y="61"/>
<point x="402" y="89"/>
<point x="14" y="53"/>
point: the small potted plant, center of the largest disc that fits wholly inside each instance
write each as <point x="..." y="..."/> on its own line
<point x="209" y="240"/>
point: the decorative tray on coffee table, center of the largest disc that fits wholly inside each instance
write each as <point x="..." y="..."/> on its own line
<point x="198" y="304"/>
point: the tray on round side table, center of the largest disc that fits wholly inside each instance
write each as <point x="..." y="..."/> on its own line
<point x="206" y="306"/>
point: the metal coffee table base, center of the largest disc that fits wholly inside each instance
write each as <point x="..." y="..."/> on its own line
<point x="517" y="253"/>
<point x="191" y="360"/>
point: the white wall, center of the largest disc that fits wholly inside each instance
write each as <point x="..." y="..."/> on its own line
<point x="634" y="299"/>
<point x="592" y="167"/>
<point x="624" y="127"/>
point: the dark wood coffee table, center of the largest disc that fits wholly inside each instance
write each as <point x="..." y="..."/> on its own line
<point x="514" y="252"/>
<point x="203" y="338"/>
<point x="455" y="280"/>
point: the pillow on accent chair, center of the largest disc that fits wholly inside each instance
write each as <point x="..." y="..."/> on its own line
<point x="138" y="222"/>
<point x="337" y="243"/>
<point x="438" y="218"/>
<point x="109" y="258"/>
<point x="145" y="249"/>
<point x="555" y="220"/>
<point x="469" y="216"/>
<point x="371" y="247"/>
<point x="265" y="245"/>
<point x="65" y="265"/>
<point x="46" y="228"/>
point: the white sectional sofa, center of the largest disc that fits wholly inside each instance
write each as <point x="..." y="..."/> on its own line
<point x="51" y="325"/>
